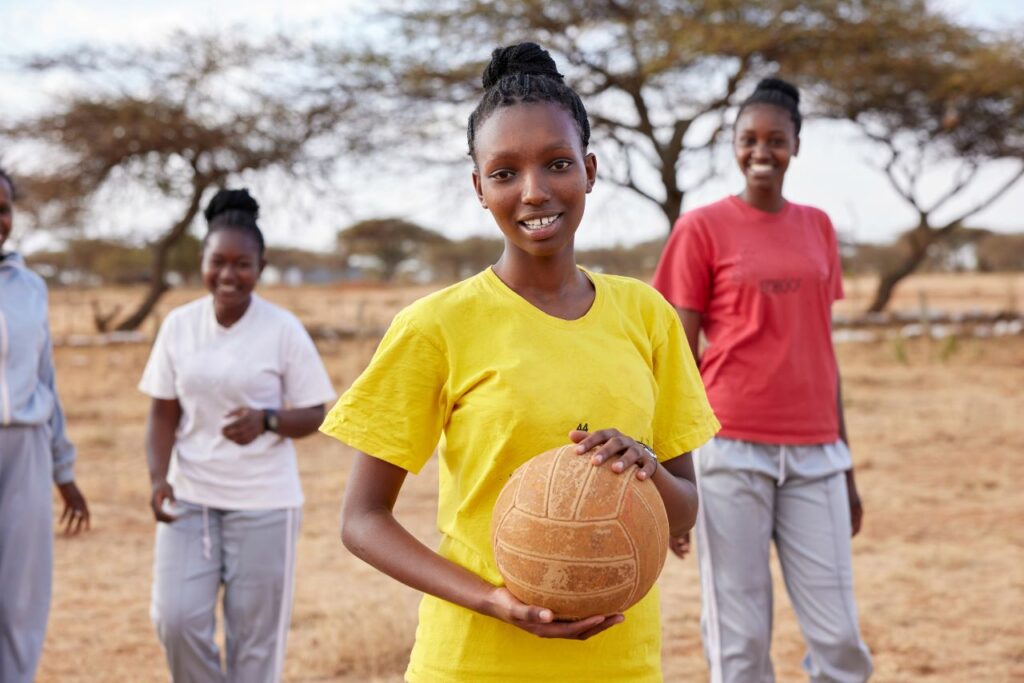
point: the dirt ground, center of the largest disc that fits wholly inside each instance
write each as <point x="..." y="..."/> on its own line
<point x="938" y="443"/>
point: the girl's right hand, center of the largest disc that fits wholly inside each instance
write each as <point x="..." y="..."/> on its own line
<point x="161" y="498"/>
<point x="541" y="622"/>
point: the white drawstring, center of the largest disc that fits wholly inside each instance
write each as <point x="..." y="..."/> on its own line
<point x="782" y="466"/>
<point x="207" y="541"/>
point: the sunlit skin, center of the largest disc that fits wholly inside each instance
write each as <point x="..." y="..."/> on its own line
<point x="231" y="267"/>
<point x="764" y="142"/>
<point x="75" y="516"/>
<point x="529" y="165"/>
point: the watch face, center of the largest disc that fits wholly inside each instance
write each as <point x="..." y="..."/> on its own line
<point x="272" y="420"/>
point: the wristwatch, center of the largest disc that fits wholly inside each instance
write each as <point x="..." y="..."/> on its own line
<point x="270" y="422"/>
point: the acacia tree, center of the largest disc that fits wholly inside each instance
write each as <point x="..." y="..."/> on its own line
<point x="391" y="241"/>
<point x="659" y="77"/>
<point x="930" y="92"/>
<point x="174" y="121"/>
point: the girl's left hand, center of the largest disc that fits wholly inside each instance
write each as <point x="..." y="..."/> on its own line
<point x="611" y="443"/>
<point x="246" y="425"/>
<point x="75" y="517"/>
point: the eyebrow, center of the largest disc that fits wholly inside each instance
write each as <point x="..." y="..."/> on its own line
<point x="514" y="152"/>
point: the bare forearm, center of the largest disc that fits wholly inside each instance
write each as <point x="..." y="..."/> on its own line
<point x="296" y="423"/>
<point x="160" y="434"/>
<point x="675" y="482"/>
<point x="841" y="414"/>
<point x="379" y="540"/>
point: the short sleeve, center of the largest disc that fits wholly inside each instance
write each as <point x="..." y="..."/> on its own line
<point x="158" y="377"/>
<point x="684" y="273"/>
<point x="683" y="419"/>
<point x="397" y="408"/>
<point x="306" y="382"/>
<point x="835" y="263"/>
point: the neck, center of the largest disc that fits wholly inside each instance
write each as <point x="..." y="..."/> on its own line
<point x="228" y="315"/>
<point x="768" y="200"/>
<point x="553" y="275"/>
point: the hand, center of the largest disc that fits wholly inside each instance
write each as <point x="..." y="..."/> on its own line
<point x="245" y="427"/>
<point x="162" y="494"/>
<point x="680" y="545"/>
<point x="611" y="443"/>
<point x="541" y="622"/>
<point x="856" y="507"/>
<point x="76" y="512"/>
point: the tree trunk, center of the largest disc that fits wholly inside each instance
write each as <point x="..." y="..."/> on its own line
<point x="673" y="205"/>
<point x="158" y="284"/>
<point x="916" y="243"/>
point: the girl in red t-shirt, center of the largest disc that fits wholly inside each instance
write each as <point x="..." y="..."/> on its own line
<point x="758" y="274"/>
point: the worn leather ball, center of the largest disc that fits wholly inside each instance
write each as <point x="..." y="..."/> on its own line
<point x="578" y="539"/>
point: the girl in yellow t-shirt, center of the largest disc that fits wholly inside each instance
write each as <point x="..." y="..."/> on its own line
<point x="507" y="364"/>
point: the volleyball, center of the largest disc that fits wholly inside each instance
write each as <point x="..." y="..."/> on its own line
<point x="577" y="539"/>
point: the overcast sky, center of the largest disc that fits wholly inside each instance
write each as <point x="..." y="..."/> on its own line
<point x="833" y="170"/>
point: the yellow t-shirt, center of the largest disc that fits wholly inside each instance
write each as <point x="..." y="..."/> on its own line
<point x="491" y="381"/>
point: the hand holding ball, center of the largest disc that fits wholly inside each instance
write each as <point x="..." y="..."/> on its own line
<point x="578" y="539"/>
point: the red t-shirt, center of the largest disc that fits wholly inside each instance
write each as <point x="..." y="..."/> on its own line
<point x="764" y="284"/>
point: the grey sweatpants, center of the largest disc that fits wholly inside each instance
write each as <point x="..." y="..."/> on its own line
<point x="753" y="494"/>
<point x="26" y="548"/>
<point x="252" y="554"/>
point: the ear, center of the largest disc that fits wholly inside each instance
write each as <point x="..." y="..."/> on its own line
<point x="476" y="187"/>
<point x="263" y="264"/>
<point x="590" y="164"/>
<point x="796" y="146"/>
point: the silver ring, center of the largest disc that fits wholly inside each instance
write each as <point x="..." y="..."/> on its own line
<point x="650" y="452"/>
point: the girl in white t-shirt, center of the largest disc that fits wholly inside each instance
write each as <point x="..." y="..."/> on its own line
<point x="233" y="378"/>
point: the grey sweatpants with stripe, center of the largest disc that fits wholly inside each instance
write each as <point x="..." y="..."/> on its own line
<point x="750" y="495"/>
<point x="26" y="548"/>
<point x="252" y="554"/>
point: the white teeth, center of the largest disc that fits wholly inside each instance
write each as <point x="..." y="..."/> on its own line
<point x="761" y="168"/>
<point x="538" y="223"/>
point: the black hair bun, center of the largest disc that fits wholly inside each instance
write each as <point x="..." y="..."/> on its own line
<point x="523" y="58"/>
<point x="231" y="200"/>
<point x="779" y="85"/>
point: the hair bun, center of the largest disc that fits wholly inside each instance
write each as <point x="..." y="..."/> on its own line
<point x="231" y="200"/>
<point x="523" y="58"/>
<point x="779" y="85"/>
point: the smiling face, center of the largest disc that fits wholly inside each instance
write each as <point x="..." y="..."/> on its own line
<point x="231" y="267"/>
<point x="6" y="210"/>
<point x="765" y="140"/>
<point x="533" y="175"/>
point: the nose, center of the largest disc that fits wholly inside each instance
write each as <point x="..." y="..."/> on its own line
<point x="535" y="188"/>
<point x="761" y="151"/>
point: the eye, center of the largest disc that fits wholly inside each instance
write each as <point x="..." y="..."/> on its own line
<point x="561" y="164"/>
<point x="501" y="174"/>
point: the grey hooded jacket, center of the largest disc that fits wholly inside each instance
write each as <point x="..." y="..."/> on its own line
<point x="28" y="395"/>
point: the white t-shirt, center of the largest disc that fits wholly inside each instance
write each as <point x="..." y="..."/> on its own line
<point x="265" y="360"/>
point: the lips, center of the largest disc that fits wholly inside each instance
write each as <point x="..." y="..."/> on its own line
<point x="761" y="169"/>
<point x="541" y="227"/>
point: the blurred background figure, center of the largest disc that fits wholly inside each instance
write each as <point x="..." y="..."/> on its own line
<point x="233" y="380"/>
<point x="34" y="451"/>
<point x="758" y="275"/>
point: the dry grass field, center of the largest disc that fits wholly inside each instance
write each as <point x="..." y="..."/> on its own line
<point x="938" y="440"/>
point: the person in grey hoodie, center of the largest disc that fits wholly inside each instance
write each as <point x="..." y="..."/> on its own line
<point x="33" y="451"/>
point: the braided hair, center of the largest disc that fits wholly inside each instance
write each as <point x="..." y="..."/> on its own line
<point x="525" y="73"/>
<point x="236" y="210"/>
<point x="778" y="93"/>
